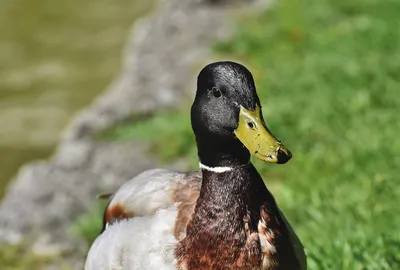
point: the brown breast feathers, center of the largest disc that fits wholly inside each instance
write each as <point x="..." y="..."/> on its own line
<point x="235" y="225"/>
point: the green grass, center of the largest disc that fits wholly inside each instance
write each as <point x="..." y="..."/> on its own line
<point x="19" y="257"/>
<point x="88" y="226"/>
<point x="328" y="75"/>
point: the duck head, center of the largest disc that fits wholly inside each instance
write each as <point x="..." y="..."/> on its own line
<point x="227" y="119"/>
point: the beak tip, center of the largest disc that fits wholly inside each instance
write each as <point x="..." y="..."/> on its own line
<point x="283" y="157"/>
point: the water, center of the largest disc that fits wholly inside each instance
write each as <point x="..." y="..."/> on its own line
<point x="55" y="56"/>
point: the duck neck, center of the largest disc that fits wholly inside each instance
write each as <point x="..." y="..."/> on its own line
<point x="230" y="201"/>
<point x="221" y="152"/>
<point x="235" y="193"/>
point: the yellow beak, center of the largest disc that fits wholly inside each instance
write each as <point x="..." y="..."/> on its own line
<point x="256" y="137"/>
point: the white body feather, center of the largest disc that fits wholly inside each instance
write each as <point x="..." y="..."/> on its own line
<point x="145" y="241"/>
<point x="148" y="192"/>
<point x="136" y="243"/>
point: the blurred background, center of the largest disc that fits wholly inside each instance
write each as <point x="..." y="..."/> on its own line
<point x="327" y="73"/>
<point x="55" y="57"/>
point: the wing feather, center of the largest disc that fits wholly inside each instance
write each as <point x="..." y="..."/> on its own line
<point x="296" y="242"/>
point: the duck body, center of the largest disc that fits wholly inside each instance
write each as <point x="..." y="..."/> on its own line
<point x="143" y="221"/>
<point x="237" y="221"/>
<point x="222" y="217"/>
<point x="151" y="224"/>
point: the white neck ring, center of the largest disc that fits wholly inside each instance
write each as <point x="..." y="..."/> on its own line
<point x="215" y="169"/>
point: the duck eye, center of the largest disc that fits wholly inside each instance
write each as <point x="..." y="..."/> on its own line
<point x="216" y="92"/>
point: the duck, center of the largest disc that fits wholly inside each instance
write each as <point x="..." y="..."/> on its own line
<point x="220" y="217"/>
